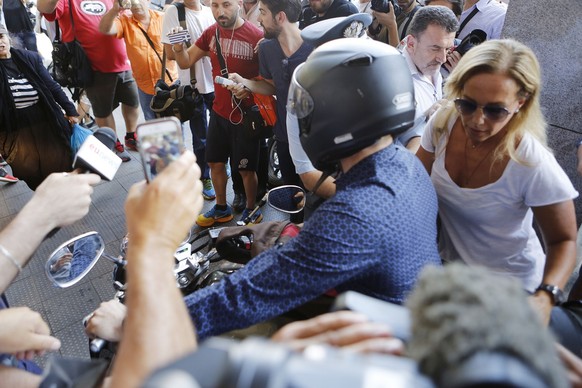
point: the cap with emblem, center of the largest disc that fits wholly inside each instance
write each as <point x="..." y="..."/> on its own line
<point x="353" y="26"/>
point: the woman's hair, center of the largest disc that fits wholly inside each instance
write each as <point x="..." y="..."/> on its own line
<point x="518" y="62"/>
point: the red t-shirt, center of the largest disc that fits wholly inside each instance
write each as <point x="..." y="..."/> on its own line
<point x="239" y="55"/>
<point x="106" y="53"/>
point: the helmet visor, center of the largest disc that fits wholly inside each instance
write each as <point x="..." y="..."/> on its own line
<point x="299" y="101"/>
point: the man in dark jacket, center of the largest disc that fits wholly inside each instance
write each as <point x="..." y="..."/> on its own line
<point x="325" y="9"/>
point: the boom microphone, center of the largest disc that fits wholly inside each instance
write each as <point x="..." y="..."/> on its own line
<point x="96" y="155"/>
<point x="469" y="326"/>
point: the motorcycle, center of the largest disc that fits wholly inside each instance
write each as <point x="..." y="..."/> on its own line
<point x="198" y="263"/>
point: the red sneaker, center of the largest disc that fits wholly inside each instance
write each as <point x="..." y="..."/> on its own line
<point x="5" y="177"/>
<point x="131" y="141"/>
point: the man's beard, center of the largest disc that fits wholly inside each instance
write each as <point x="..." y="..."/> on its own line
<point x="225" y="22"/>
<point x="272" y="33"/>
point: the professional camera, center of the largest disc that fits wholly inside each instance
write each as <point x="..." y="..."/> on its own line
<point x="258" y="363"/>
<point x="475" y="38"/>
<point x="383" y="6"/>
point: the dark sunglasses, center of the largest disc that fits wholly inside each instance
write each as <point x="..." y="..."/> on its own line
<point x="491" y="112"/>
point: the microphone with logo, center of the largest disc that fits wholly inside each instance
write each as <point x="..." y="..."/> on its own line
<point x="95" y="154"/>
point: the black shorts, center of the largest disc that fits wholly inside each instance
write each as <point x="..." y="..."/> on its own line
<point x="109" y="89"/>
<point x="225" y="140"/>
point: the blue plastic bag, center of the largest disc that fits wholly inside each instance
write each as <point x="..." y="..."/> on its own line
<point x="79" y="135"/>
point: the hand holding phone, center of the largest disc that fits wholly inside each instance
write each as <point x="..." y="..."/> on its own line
<point x="159" y="143"/>
<point x="223" y="81"/>
<point x="179" y="36"/>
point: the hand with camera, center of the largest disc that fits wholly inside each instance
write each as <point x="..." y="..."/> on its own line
<point x="387" y="20"/>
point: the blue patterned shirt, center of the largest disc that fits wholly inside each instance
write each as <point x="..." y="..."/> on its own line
<point x="374" y="236"/>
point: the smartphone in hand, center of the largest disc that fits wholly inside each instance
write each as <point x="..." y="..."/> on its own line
<point x="159" y="143"/>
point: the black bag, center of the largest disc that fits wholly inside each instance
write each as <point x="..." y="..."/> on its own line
<point x="71" y="67"/>
<point x="254" y="124"/>
<point x="180" y="101"/>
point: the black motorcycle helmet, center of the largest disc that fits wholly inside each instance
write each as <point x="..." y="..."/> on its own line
<point x="348" y="94"/>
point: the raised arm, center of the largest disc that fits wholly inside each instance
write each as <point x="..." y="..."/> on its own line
<point x="157" y="329"/>
<point x="107" y="24"/>
<point x="46" y="6"/>
<point x="186" y="58"/>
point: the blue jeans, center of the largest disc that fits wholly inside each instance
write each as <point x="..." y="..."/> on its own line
<point x="198" y="127"/>
<point x="144" y="102"/>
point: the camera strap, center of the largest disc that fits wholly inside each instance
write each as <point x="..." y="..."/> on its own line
<point x="409" y="17"/>
<point x="468" y="19"/>
<point x="162" y="61"/>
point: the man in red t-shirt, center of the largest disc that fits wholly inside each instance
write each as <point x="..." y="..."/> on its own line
<point x="113" y="82"/>
<point x="226" y="136"/>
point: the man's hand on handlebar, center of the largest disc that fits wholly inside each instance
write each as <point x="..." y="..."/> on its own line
<point x="107" y="321"/>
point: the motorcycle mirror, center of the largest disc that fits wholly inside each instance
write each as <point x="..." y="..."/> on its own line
<point x="288" y="199"/>
<point x="73" y="259"/>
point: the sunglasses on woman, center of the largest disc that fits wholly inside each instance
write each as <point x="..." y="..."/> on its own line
<point x="491" y="112"/>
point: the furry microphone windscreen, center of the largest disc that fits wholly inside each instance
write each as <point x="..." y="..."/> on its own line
<point x="459" y="311"/>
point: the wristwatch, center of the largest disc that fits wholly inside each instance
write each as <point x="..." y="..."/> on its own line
<point x="554" y="291"/>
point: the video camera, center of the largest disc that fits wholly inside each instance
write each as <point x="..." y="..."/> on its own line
<point x="384" y="7"/>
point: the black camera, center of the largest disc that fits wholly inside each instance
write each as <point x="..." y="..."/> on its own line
<point x="383" y="6"/>
<point x="475" y="38"/>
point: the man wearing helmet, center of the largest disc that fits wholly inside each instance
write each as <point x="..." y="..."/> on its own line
<point x="379" y="229"/>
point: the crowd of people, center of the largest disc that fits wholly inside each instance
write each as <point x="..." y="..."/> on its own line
<point x="456" y="137"/>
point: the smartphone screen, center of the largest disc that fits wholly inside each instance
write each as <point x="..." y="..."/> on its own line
<point x="159" y="144"/>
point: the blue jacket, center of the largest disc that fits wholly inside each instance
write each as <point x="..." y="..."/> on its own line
<point x="374" y="236"/>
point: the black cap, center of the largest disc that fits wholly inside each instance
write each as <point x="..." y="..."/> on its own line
<point x="353" y="26"/>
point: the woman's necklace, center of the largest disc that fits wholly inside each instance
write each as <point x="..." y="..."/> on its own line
<point x="467" y="177"/>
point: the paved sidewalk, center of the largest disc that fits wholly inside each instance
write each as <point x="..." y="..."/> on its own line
<point x="64" y="309"/>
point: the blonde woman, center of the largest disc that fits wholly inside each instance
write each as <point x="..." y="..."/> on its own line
<point x="487" y="156"/>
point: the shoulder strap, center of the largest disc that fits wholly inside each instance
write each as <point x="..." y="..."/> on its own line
<point x="467" y="19"/>
<point x="182" y="19"/>
<point x="223" y="68"/>
<point x="72" y="20"/>
<point x="162" y="61"/>
<point x="57" y="37"/>
<point x="408" y="20"/>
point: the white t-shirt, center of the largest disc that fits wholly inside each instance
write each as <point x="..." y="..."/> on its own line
<point x="197" y="22"/>
<point x="491" y="225"/>
<point x="300" y="159"/>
